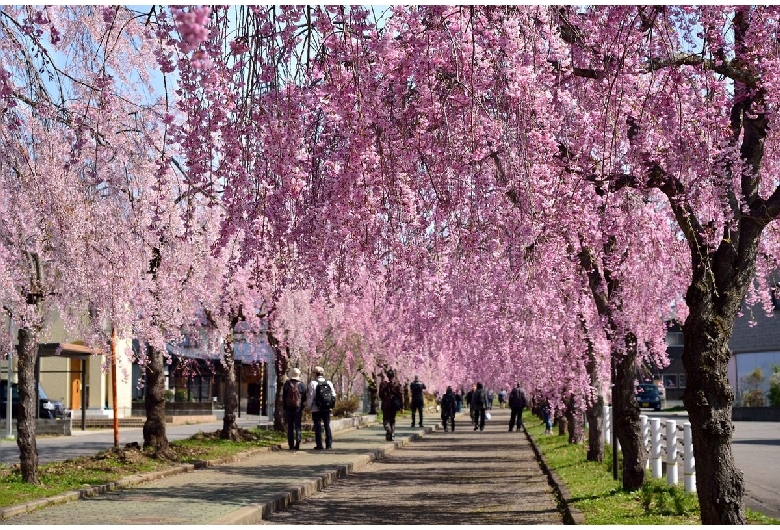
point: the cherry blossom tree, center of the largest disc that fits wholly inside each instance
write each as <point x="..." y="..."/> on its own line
<point x="685" y="101"/>
<point x="75" y="137"/>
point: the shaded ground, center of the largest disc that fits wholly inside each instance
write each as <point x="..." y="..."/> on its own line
<point x="464" y="477"/>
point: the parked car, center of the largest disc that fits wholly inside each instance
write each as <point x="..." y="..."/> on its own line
<point x="648" y="396"/>
<point x="59" y="410"/>
<point x="45" y="410"/>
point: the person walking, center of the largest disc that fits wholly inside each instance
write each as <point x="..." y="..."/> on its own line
<point x="517" y="403"/>
<point x="490" y="397"/>
<point x="479" y="407"/>
<point x="547" y="414"/>
<point x="458" y="401"/>
<point x="320" y="399"/>
<point x="293" y="395"/>
<point x="448" y="409"/>
<point x="469" y="398"/>
<point x="391" y="394"/>
<point x="418" y="400"/>
<point x="501" y="398"/>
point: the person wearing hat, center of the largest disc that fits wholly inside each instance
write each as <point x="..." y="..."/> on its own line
<point x="391" y="394"/>
<point x="293" y="394"/>
<point x="320" y="412"/>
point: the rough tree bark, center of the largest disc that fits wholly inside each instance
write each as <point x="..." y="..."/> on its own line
<point x="154" y="401"/>
<point x="626" y="412"/>
<point x="595" y="416"/>
<point x="626" y="417"/>
<point x="28" y="405"/>
<point x="574" y="422"/>
<point x="154" y="397"/>
<point x="280" y="365"/>
<point x="229" y="427"/>
<point x="594" y="411"/>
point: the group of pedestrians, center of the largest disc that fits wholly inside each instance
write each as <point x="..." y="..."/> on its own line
<point x="319" y="398"/>
<point x="480" y="402"/>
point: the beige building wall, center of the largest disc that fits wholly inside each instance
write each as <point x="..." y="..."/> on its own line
<point x="55" y="372"/>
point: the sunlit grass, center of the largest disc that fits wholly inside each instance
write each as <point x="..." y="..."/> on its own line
<point x="603" y="501"/>
<point x="111" y="465"/>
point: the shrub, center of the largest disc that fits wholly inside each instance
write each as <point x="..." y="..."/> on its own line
<point x="774" y="387"/>
<point x="181" y="395"/>
<point x="346" y="406"/>
<point x="753" y="396"/>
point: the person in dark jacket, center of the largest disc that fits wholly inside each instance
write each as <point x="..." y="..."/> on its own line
<point x="448" y="409"/>
<point x="479" y="404"/>
<point x="469" y="397"/>
<point x="391" y="394"/>
<point x="418" y="400"/>
<point x="293" y="407"/>
<point x="517" y="403"/>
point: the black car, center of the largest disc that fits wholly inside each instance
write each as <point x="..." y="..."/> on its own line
<point x="648" y="396"/>
<point x="45" y="409"/>
<point x="59" y="410"/>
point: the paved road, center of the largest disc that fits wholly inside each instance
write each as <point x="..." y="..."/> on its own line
<point x="756" y="448"/>
<point x="92" y="441"/>
<point x="476" y="477"/>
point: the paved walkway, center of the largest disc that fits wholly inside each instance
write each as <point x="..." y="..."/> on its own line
<point x="489" y="477"/>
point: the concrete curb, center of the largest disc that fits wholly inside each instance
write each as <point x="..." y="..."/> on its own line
<point x="571" y="514"/>
<point x="340" y="425"/>
<point x="124" y="482"/>
<point x="255" y="513"/>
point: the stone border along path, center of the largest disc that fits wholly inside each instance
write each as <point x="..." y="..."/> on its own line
<point x="255" y="485"/>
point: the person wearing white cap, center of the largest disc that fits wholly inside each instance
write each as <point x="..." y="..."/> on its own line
<point x="293" y="394"/>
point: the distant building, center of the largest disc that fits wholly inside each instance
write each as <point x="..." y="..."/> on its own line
<point x="752" y="346"/>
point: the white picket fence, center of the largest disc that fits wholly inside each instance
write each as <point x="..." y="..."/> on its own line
<point x="664" y="443"/>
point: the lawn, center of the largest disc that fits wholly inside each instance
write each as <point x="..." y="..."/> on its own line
<point x="601" y="499"/>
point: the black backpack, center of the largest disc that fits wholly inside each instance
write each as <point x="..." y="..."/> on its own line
<point x="323" y="397"/>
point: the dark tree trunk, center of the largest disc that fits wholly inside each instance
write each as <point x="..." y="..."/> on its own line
<point x="373" y="394"/>
<point x="708" y="397"/>
<point x="574" y="422"/>
<point x="28" y="405"/>
<point x="594" y="412"/>
<point x="280" y="366"/>
<point x="229" y="427"/>
<point x="154" y="400"/>
<point x="626" y="417"/>
<point x="595" y="416"/>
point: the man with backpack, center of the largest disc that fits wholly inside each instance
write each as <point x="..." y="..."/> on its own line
<point x="293" y="394"/>
<point x="320" y="399"/>
<point x="517" y="403"/>
<point x="418" y="400"/>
